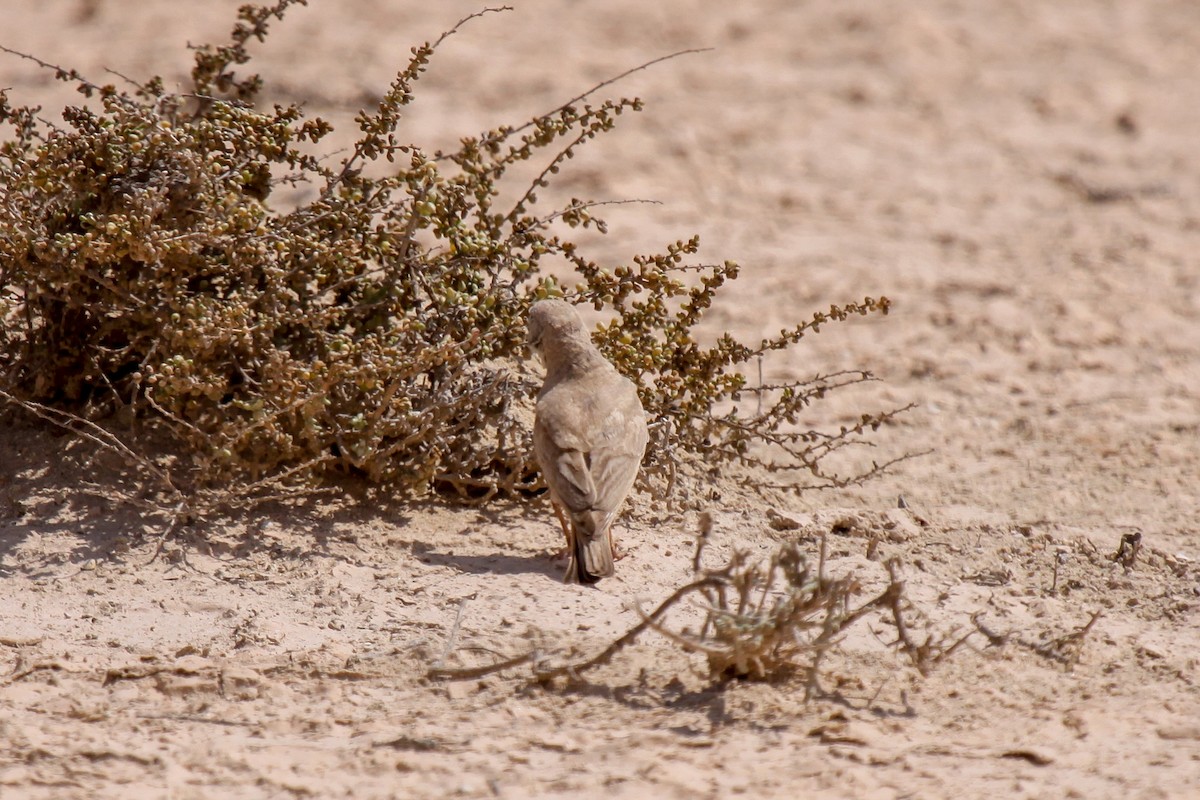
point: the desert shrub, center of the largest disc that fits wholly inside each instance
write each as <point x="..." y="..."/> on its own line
<point x="147" y="277"/>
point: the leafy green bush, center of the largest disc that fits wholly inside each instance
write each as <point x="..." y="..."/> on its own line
<point x="376" y="329"/>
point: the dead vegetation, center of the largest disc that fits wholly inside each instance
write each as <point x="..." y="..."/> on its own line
<point x="764" y="620"/>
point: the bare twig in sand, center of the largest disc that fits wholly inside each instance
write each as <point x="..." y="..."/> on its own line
<point x="197" y="718"/>
<point x="648" y="621"/>
<point x="763" y="619"/>
<point x="1065" y="649"/>
<point x="19" y="641"/>
<point x="469" y="673"/>
<point x="452" y="639"/>
<point x="1068" y="648"/>
<point x="20" y="673"/>
<point x="575" y="668"/>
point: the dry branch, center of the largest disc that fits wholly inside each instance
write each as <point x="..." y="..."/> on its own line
<point x="764" y="620"/>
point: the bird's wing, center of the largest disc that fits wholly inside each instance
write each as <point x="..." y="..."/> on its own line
<point x="617" y="456"/>
<point x="591" y="454"/>
<point x="565" y="470"/>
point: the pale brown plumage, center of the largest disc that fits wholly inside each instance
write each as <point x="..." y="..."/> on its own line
<point x="589" y="435"/>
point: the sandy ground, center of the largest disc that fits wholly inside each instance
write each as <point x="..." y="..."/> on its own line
<point x="1019" y="178"/>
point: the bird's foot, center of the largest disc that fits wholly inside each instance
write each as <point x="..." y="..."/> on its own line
<point x="618" y="551"/>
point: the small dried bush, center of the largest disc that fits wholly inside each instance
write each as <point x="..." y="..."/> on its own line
<point x="778" y="616"/>
<point x="147" y="279"/>
<point x="764" y="620"/>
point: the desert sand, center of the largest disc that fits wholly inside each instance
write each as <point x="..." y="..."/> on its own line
<point x="1019" y="178"/>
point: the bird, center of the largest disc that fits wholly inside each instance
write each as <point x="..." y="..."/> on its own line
<point x="589" y="436"/>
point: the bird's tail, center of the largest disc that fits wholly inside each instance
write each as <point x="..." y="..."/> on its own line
<point x="592" y="556"/>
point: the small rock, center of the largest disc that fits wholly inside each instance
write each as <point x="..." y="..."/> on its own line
<point x="900" y="525"/>
<point x="240" y="683"/>
<point x="846" y="525"/>
<point x="191" y="664"/>
<point x="456" y="690"/>
<point x="1188" y="731"/>
<point x="1038" y="756"/>
<point x="781" y="522"/>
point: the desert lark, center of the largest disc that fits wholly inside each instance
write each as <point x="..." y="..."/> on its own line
<point x="589" y="435"/>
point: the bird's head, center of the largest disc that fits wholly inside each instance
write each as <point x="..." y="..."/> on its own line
<point x="552" y="323"/>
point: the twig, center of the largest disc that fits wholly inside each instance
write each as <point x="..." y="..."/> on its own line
<point x="994" y="639"/>
<point x="473" y="15"/>
<point x="760" y="391"/>
<point x="647" y="621"/>
<point x="93" y="433"/>
<point x="705" y="526"/>
<point x="452" y="639"/>
<point x="348" y="164"/>
<point x="578" y="206"/>
<point x="176" y="515"/>
<point x="27" y="671"/>
<point x="197" y="718"/>
<point x="59" y="73"/>
<point x="573" y="668"/>
<point x="1059" y="560"/>
<point x="1065" y="649"/>
<point x="823" y="554"/>
<point x="609" y="82"/>
<point x="16" y="641"/>
<point x="469" y="673"/>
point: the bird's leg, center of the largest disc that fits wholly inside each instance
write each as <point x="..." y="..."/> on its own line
<point x="618" y="552"/>
<point x="562" y="521"/>
<point x="567" y="549"/>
